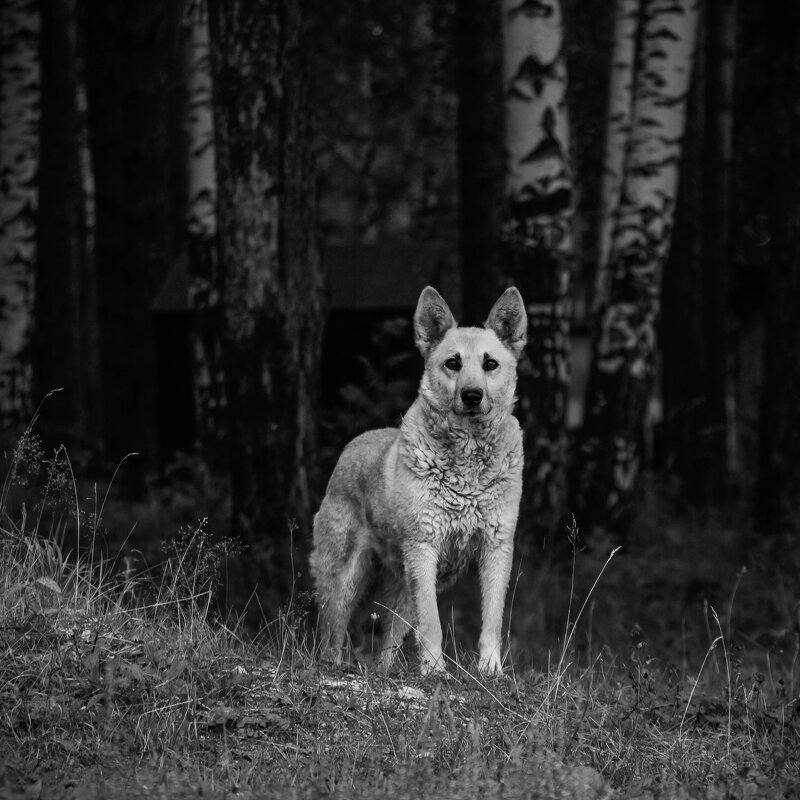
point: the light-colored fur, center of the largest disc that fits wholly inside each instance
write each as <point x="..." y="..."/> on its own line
<point x="407" y="509"/>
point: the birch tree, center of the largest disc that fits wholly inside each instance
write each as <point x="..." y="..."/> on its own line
<point x="537" y="232"/>
<point x="272" y="290"/>
<point x="201" y="231"/>
<point x="624" y="347"/>
<point x="19" y="156"/>
<point x="618" y="128"/>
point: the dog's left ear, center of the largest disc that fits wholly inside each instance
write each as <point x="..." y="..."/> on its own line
<point x="432" y="320"/>
<point x="509" y="320"/>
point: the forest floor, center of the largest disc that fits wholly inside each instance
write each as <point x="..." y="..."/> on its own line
<point x="104" y="696"/>
<point x="622" y="680"/>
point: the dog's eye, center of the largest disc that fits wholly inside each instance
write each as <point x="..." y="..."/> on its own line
<point x="453" y="363"/>
<point x="489" y="364"/>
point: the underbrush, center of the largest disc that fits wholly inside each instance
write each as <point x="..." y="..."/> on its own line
<point x="125" y="684"/>
<point x="94" y="659"/>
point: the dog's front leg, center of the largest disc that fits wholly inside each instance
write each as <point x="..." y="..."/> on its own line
<point x="495" y="570"/>
<point x="421" y="566"/>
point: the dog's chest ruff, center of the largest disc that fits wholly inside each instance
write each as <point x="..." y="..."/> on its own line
<point x="463" y="484"/>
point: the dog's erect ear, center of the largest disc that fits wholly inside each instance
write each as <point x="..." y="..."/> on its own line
<point x="509" y="320"/>
<point x="432" y="320"/>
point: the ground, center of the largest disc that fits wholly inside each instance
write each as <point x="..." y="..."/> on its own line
<point x="110" y="702"/>
<point x="664" y="670"/>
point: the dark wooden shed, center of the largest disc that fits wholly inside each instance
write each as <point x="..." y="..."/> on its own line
<point x="368" y="285"/>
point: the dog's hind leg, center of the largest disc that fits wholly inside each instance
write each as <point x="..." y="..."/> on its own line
<point x="339" y="597"/>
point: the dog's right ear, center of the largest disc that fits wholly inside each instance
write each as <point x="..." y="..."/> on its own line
<point x="432" y="320"/>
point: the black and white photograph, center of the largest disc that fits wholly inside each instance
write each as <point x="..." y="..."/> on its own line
<point x="399" y="399"/>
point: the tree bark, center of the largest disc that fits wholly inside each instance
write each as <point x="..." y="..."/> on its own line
<point x="538" y="237"/>
<point x="698" y="432"/>
<point x="271" y="282"/>
<point x="779" y="478"/>
<point x="624" y="347"/>
<point x="682" y="319"/>
<point x="627" y="18"/>
<point x="481" y="166"/>
<point x="210" y="400"/>
<point x="721" y="27"/>
<point x="19" y="161"/>
<point x="67" y="347"/>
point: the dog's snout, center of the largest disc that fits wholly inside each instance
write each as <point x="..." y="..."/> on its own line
<point x="471" y="397"/>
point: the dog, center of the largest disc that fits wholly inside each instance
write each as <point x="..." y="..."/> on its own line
<point x="408" y="509"/>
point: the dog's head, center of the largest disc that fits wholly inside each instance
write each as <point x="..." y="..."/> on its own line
<point x="470" y="372"/>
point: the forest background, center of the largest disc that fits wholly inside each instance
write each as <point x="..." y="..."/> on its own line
<point x="216" y="220"/>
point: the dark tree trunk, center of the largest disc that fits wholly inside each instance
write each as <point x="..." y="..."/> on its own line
<point x="130" y="57"/>
<point x="67" y="346"/>
<point x="779" y="480"/>
<point x="696" y="284"/>
<point x="481" y="162"/>
<point x="682" y="322"/>
<point x="271" y="280"/>
<point x="717" y="242"/>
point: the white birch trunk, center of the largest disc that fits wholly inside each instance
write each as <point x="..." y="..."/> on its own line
<point x="201" y="167"/>
<point x="19" y="156"/>
<point x="201" y="221"/>
<point x="627" y="16"/>
<point x="643" y="227"/>
<point x="539" y="181"/>
<point x="659" y="118"/>
<point x="538" y="236"/>
<point x="623" y="368"/>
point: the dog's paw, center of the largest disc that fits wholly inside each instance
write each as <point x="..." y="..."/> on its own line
<point x="385" y="660"/>
<point x="490" y="664"/>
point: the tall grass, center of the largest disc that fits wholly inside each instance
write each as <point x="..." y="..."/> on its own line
<point x="131" y="681"/>
<point x="96" y="655"/>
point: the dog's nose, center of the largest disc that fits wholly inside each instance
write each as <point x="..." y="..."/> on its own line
<point x="471" y="397"/>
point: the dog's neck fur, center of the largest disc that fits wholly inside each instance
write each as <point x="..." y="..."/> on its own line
<point x="459" y="445"/>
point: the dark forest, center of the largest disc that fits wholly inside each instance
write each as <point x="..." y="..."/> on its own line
<point x="216" y="220"/>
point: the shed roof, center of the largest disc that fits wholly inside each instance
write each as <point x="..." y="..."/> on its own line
<point x="360" y="276"/>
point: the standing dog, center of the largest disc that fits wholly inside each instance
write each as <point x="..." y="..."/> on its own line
<point x="407" y="510"/>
